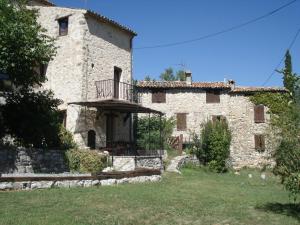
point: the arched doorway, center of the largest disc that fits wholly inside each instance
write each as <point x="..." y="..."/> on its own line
<point x="91" y="139"/>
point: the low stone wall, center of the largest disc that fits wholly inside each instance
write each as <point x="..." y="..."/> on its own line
<point x="31" y="185"/>
<point x="129" y="163"/>
<point x="22" y="160"/>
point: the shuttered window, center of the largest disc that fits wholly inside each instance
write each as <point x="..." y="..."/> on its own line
<point x="219" y="118"/>
<point x="259" y="142"/>
<point x="213" y="96"/>
<point x="181" y="121"/>
<point x="63" y="26"/>
<point x="158" y="96"/>
<point x="259" y="114"/>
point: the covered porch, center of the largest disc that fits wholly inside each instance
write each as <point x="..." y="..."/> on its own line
<point x="118" y="135"/>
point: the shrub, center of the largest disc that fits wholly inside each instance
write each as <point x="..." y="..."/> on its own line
<point x="213" y="147"/>
<point x="66" y="139"/>
<point x="85" y="161"/>
<point x="145" y="125"/>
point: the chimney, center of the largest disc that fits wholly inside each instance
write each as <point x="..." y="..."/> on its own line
<point x="232" y="84"/>
<point x="188" y="77"/>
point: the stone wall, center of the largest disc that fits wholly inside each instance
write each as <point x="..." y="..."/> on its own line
<point x="129" y="163"/>
<point x="31" y="185"/>
<point x="237" y="109"/>
<point x="23" y="160"/>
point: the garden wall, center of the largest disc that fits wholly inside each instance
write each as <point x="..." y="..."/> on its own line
<point x="23" y="160"/>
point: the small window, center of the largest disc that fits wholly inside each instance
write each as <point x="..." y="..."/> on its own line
<point x="259" y="114"/>
<point x="259" y="142"/>
<point x="213" y="96"/>
<point x="63" y="117"/>
<point x="158" y="97"/>
<point x="218" y="118"/>
<point x="63" y="26"/>
<point x="181" y="121"/>
<point x="43" y="70"/>
<point x="92" y="139"/>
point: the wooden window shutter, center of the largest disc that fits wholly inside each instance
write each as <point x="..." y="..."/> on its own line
<point x="218" y="118"/>
<point x="259" y="114"/>
<point x="213" y="96"/>
<point x="158" y="97"/>
<point x="181" y="121"/>
<point x="259" y="142"/>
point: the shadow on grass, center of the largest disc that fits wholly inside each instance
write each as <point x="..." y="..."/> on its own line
<point x="288" y="209"/>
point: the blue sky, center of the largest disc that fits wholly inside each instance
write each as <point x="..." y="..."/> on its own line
<point x="248" y="55"/>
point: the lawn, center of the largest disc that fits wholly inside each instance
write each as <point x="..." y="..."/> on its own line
<point x="195" y="197"/>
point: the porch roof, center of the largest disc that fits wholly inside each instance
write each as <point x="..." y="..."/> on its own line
<point x="117" y="105"/>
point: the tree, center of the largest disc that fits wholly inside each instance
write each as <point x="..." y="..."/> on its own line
<point x="289" y="78"/>
<point x="284" y="109"/>
<point x="30" y="116"/>
<point x="168" y="75"/>
<point x="24" y="47"/>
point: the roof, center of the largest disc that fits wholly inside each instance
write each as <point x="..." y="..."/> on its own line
<point x="98" y="17"/>
<point x="117" y="105"/>
<point x="205" y="85"/>
<point x="45" y="2"/>
<point x="112" y="22"/>
<point x="183" y="84"/>
<point x="257" y="89"/>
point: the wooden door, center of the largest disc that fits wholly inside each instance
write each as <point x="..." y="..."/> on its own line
<point x="117" y="76"/>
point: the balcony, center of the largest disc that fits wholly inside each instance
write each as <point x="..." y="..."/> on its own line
<point x="114" y="89"/>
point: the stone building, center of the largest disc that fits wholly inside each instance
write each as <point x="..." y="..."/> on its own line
<point x="91" y="73"/>
<point x="193" y="103"/>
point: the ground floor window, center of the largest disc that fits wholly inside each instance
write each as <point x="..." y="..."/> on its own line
<point x="259" y="140"/>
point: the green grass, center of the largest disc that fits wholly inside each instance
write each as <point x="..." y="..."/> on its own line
<point x="195" y="197"/>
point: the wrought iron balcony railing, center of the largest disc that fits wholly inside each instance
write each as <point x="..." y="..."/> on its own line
<point x="114" y="89"/>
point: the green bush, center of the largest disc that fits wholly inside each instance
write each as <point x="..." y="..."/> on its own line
<point x="85" y="161"/>
<point x="213" y="147"/>
<point x="152" y="125"/>
<point x="66" y="139"/>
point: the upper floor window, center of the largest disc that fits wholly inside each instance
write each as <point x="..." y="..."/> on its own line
<point x="43" y="69"/>
<point x="259" y="114"/>
<point x="63" y="26"/>
<point x="213" y="96"/>
<point x="158" y="96"/>
<point x="181" y="121"/>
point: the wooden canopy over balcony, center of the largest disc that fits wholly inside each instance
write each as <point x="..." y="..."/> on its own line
<point x="117" y="105"/>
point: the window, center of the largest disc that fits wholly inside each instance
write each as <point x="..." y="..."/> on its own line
<point x="218" y="118"/>
<point x="92" y="139"/>
<point x="63" y="26"/>
<point x="181" y="121"/>
<point x="213" y="96"/>
<point x="259" y="114"/>
<point x="43" y="70"/>
<point x="259" y="142"/>
<point x="158" y="96"/>
<point x="63" y="117"/>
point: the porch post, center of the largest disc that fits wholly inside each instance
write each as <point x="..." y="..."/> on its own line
<point x="148" y="132"/>
<point x="160" y="136"/>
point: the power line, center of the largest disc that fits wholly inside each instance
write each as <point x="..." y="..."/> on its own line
<point x="221" y="31"/>
<point x="276" y="68"/>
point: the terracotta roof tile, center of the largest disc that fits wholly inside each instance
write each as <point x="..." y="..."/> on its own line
<point x="182" y="84"/>
<point x="106" y="19"/>
<point x="257" y="89"/>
